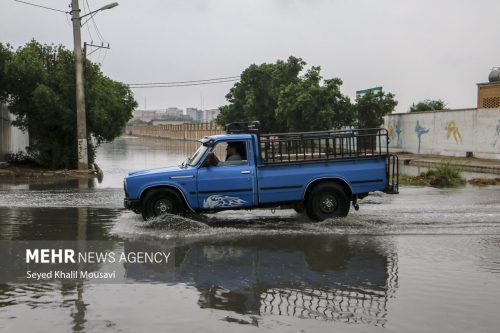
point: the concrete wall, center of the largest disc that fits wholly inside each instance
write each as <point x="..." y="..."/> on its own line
<point x="179" y="132"/>
<point x="448" y="133"/>
<point x="12" y="139"/>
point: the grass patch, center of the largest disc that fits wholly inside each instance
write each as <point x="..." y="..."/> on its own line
<point x="443" y="175"/>
<point x="405" y="179"/>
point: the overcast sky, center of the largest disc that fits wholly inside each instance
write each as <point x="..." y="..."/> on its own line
<point x="414" y="49"/>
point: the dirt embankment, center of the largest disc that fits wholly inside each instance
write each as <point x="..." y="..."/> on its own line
<point x="22" y="171"/>
<point x="484" y="181"/>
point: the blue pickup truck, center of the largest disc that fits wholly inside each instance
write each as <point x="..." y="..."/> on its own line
<point x="319" y="173"/>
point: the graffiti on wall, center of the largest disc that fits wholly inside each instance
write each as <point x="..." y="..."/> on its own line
<point x="496" y="137"/>
<point x="395" y="133"/>
<point x="453" y="132"/>
<point x="420" y="131"/>
<point x="383" y="140"/>
<point x="452" y="129"/>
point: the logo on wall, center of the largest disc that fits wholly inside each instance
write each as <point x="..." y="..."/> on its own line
<point x="222" y="201"/>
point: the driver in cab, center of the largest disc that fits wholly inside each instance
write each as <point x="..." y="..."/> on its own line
<point x="233" y="157"/>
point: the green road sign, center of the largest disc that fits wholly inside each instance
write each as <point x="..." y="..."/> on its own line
<point x="373" y="90"/>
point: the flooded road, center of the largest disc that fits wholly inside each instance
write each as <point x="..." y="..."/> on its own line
<point x="425" y="260"/>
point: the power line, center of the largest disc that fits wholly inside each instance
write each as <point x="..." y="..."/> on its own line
<point x="68" y="21"/>
<point x="229" y="78"/>
<point x="88" y="28"/>
<point x="104" y="57"/>
<point x="181" y="85"/>
<point x="35" y="5"/>
<point x="103" y="40"/>
<point x="95" y="24"/>
<point x="98" y="49"/>
<point x="91" y="18"/>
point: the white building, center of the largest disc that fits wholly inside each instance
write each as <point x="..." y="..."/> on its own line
<point x="211" y="115"/>
<point x="173" y="112"/>
<point x="12" y="139"/>
<point x="192" y="112"/>
<point x="196" y="114"/>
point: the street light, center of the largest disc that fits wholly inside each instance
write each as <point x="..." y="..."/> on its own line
<point x="81" y="122"/>
<point x="108" y="6"/>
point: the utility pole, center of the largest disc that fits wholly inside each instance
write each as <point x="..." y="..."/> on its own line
<point x="81" y="122"/>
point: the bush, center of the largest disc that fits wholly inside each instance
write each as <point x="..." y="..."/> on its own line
<point x="444" y="175"/>
<point x="21" y="158"/>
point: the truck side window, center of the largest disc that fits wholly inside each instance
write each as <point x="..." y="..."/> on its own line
<point x="230" y="153"/>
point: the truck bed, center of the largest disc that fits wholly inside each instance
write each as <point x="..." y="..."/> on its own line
<point x="289" y="181"/>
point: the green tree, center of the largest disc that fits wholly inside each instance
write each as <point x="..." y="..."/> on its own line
<point x="307" y="105"/>
<point x="428" y="105"/>
<point x="5" y="56"/>
<point x="39" y="83"/>
<point x="283" y="101"/>
<point x="370" y="108"/>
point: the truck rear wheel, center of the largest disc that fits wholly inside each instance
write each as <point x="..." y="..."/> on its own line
<point x="161" y="201"/>
<point x="327" y="200"/>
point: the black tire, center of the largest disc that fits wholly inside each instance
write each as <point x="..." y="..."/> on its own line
<point x="327" y="200"/>
<point x="161" y="201"/>
<point x="299" y="208"/>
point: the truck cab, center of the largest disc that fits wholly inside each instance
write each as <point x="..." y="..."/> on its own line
<point x="320" y="173"/>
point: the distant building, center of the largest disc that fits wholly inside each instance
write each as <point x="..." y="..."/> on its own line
<point x="211" y="115"/>
<point x="197" y="115"/>
<point x="201" y="116"/>
<point x="144" y="115"/>
<point x="173" y="112"/>
<point x="168" y="115"/>
<point x="175" y="115"/>
<point x="193" y="113"/>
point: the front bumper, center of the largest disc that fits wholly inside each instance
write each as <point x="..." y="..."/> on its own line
<point x="134" y="205"/>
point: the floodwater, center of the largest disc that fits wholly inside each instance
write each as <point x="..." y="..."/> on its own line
<point x="425" y="260"/>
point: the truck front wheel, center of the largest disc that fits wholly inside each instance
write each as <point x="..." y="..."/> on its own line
<point x="327" y="200"/>
<point x="161" y="201"/>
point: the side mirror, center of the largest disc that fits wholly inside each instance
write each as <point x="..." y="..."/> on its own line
<point x="208" y="159"/>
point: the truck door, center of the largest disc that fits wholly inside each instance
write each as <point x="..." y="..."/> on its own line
<point x="229" y="180"/>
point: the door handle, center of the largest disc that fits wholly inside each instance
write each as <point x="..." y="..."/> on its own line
<point x="246" y="172"/>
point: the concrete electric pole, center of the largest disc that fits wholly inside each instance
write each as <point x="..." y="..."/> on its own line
<point x="81" y="118"/>
<point x="81" y="121"/>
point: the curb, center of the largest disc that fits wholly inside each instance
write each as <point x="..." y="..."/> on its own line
<point x="463" y="166"/>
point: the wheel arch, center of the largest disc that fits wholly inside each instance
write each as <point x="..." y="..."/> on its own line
<point x="339" y="180"/>
<point x="166" y="186"/>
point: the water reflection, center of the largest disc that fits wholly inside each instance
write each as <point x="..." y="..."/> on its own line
<point x="327" y="278"/>
<point x="68" y="223"/>
<point x="337" y="278"/>
<point x="67" y="298"/>
<point x="135" y="153"/>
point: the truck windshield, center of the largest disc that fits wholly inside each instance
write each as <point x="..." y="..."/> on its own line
<point x="193" y="160"/>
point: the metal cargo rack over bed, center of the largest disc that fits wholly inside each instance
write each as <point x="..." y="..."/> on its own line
<point x="313" y="147"/>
